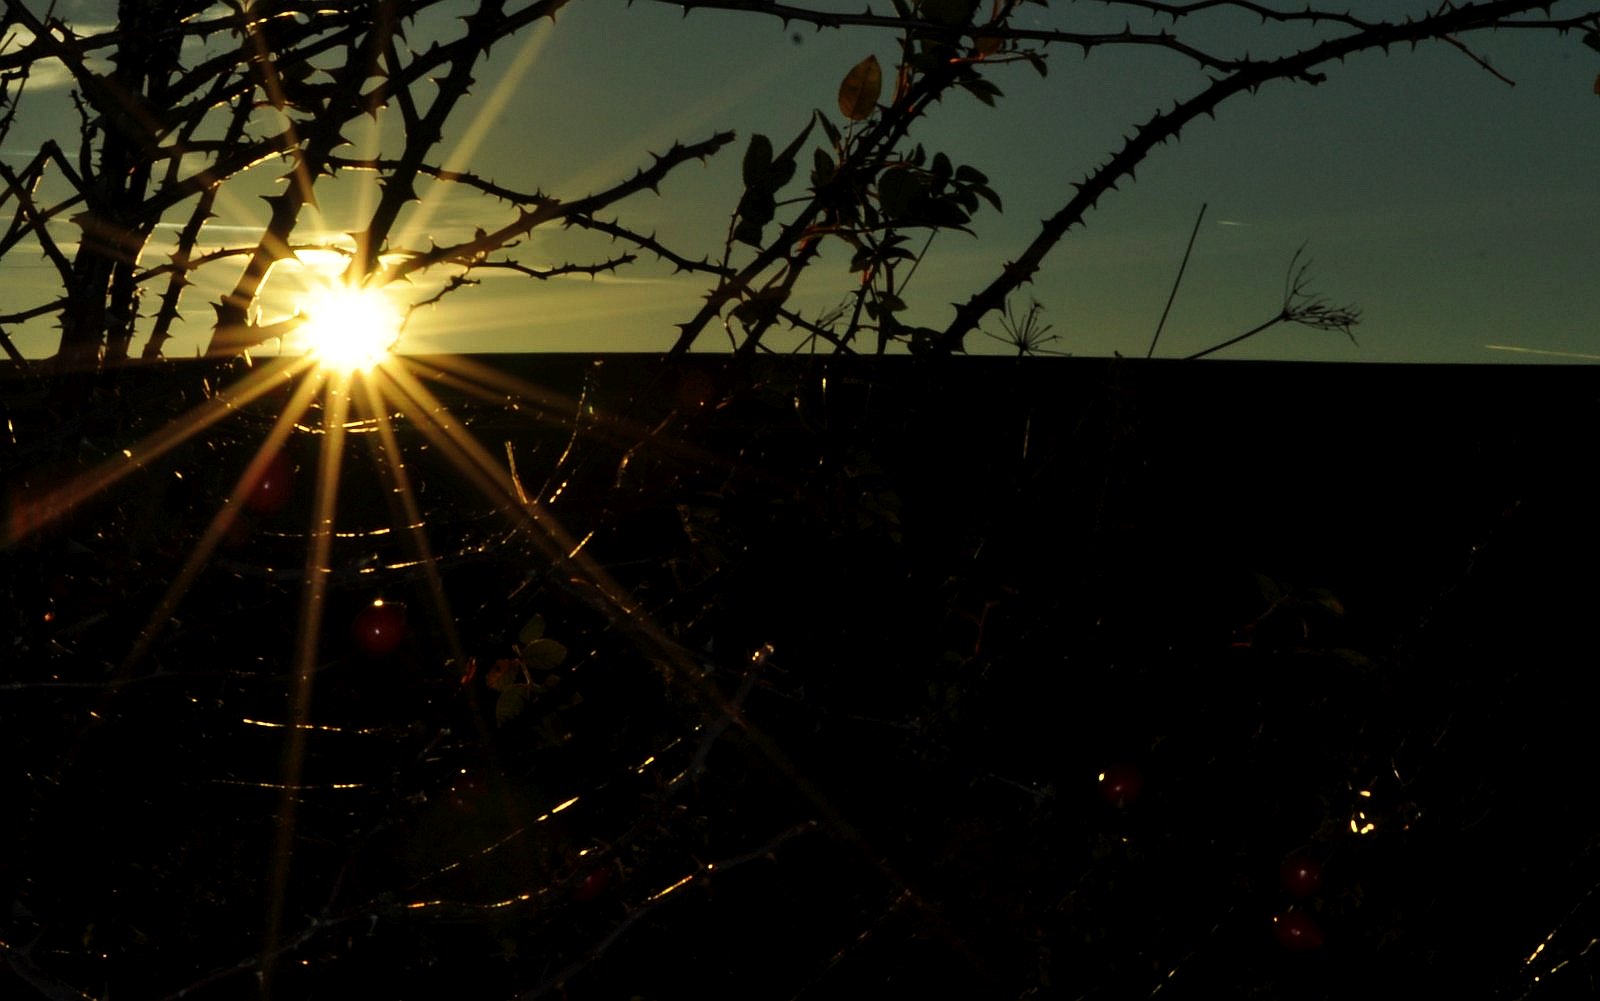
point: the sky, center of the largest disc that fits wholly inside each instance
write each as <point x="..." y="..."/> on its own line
<point x="1456" y="212"/>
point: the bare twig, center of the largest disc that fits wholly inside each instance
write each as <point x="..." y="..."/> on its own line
<point x="1176" y="281"/>
<point x="1299" y="306"/>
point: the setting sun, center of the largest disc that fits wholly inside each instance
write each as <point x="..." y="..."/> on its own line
<point x="349" y="329"/>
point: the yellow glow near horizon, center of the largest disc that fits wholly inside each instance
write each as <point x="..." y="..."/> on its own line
<point x="349" y="329"/>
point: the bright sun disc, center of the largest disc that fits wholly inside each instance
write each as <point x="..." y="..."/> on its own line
<point x="349" y="329"/>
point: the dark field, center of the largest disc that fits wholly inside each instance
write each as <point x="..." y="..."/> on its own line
<point x="979" y="679"/>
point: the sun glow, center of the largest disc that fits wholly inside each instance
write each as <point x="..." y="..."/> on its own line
<point x="349" y="329"/>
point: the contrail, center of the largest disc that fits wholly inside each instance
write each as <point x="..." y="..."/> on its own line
<point x="1541" y="351"/>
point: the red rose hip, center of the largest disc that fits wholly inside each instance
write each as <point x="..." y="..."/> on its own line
<point x="1297" y="931"/>
<point x="380" y="627"/>
<point x="1121" y="784"/>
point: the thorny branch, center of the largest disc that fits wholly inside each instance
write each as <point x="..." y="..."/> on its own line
<point x="267" y="56"/>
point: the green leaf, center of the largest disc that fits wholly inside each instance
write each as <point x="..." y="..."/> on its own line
<point x="1325" y="598"/>
<point x="531" y="630"/>
<point x="1271" y="593"/>
<point x="858" y="94"/>
<point x="1352" y="658"/>
<point x="510" y="705"/>
<point x="543" y="655"/>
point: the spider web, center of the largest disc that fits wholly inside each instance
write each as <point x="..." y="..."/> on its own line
<point x="812" y="697"/>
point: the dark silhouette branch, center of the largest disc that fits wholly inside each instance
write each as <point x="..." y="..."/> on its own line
<point x="1167" y="125"/>
<point x="1299" y="306"/>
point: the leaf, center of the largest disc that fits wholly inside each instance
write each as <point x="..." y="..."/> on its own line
<point x="1271" y="593"/>
<point x="783" y="166"/>
<point x="1324" y="598"/>
<point x="897" y="188"/>
<point x="510" y="705"/>
<point x="982" y="89"/>
<point x="949" y="12"/>
<point x="1352" y="658"/>
<point x="858" y="94"/>
<point x="543" y="655"/>
<point x="828" y="127"/>
<point x="971" y="175"/>
<point x="757" y="161"/>
<point x="755" y="210"/>
<point x="531" y="630"/>
<point x="822" y="167"/>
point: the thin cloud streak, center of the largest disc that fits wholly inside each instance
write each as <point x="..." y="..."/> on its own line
<point x="1541" y="351"/>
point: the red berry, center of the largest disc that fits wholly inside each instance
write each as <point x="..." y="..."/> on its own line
<point x="1297" y="931"/>
<point x="592" y="885"/>
<point x="273" y="488"/>
<point x="380" y="627"/>
<point x="1300" y="875"/>
<point x="1121" y="784"/>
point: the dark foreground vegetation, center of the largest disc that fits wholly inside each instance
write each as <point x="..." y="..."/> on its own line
<point x="983" y="679"/>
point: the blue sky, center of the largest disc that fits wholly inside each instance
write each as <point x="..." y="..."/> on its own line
<point x="1455" y="211"/>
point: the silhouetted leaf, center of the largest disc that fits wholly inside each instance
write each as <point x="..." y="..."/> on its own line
<point x="982" y="89"/>
<point x="822" y="167"/>
<point x="757" y="161"/>
<point x="756" y="209"/>
<point x="897" y="189"/>
<point x="828" y="127"/>
<point x="858" y="95"/>
<point x="949" y="12"/>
